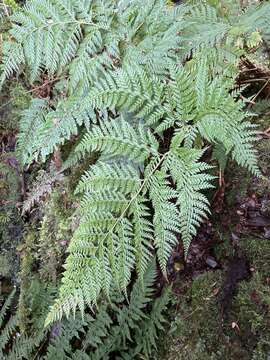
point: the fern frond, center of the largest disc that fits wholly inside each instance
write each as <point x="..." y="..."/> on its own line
<point x="13" y="58"/>
<point x="23" y="346"/>
<point x="6" y="307"/>
<point x="143" y="234"/>
<point x="31" y="127"/>
<point x="166" y="218"/>
<point x="118" y="137"/>
<point x="146" y="336"/>
<point x="206" y="28"/>
<point x="146" y="116"/>
<point x="188" y="174"/>
<point x="6" y="333"/>
<point x="130" y="318"/>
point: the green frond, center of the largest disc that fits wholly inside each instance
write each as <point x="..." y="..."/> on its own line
<point x="206" y="28"/>
<point x="12" y="59"/>
<point x="166" y="217"/>
<point x="23" y="346"/>
<point x="31" y="130"/>
<point x="61" y="345"/>
<point x="143" y="234"/>
<point x="6" y="307"/>
<point x="104" y="176"/>
<point x="147" y="335"/>
<point x="190" y="178"/>
<point x="7" y="332"/>
<point x="63" y="123"/>
<point x="118" y="137"/>
<point x="243" y="151"/>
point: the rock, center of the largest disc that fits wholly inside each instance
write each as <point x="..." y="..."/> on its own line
<point x="210" y="261"/>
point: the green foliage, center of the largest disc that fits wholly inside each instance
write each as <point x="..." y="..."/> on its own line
<point x="11" y="3"/>
<point x="13" y="346"/>
<point x="30" y="127"/>
<point x="123" y="329"/>
<point x="14" y="99"/>
<point x="89" y="36"/>
<point x="128" y="327"/>
<point x="229" y="23"/>
<point x="145" y="112"/>
<point x="10" y="221"/>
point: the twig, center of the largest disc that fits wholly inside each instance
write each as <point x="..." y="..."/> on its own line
<point x="255" y="80"/>
<point x="258" y="93"/>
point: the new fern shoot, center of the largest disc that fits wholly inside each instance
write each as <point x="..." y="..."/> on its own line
<point x="142" y="94"/>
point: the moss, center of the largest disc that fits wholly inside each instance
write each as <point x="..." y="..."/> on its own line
<point x="251" y="306"/>
<point x="238" y="184"/>
<point x="54" y="235"/>
<point x="26" y="251"/>
<point x="191" y="335"/>
<point x="6" y="265"/>
<point x="10" y="220"/>
<point x="9" y="180"/>
<point x="14" y="99"/>
<point x="197" y="328"/>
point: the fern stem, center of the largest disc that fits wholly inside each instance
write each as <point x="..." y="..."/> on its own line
<point x="67" y="23"/>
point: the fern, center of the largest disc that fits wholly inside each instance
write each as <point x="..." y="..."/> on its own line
<point x="51" y="35"/>
<point x="12" y="344"/>
<point x="207" y="28"/>
<point x="82" y="43"/>
<point x="121" y="325"/>
<point x="30" y="129"/>
<point x="128" y="333"/>
<point x="6" y="307"/>
<point x="146" y="96"/>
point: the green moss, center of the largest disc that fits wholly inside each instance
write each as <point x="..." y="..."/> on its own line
<point x="6" y="265"/>
<point x="26" y="251"/>
<point x="199" y="331"/>
<point x="10" y="220"/>
<point x="237" y="185"/>
<point x="9" y="181"/>
<point x="191" y="331"/>
<point x="14" y="99"/>
<point x="54" y="235"/>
